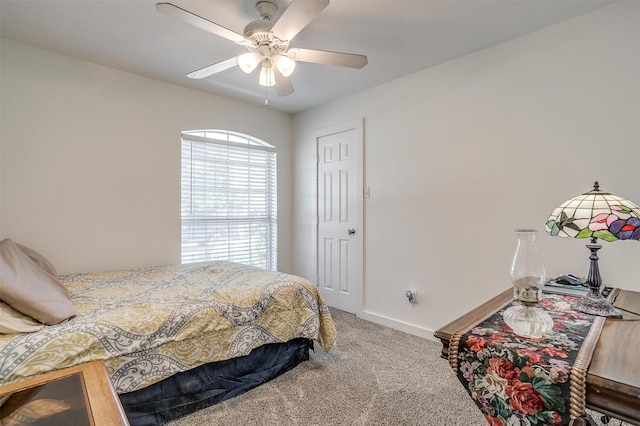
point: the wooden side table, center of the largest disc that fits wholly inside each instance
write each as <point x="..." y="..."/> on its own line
<point x="79" y="395"/>
<point x="613" y="378"/>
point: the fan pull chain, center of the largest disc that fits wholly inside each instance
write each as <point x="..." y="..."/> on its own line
<point x="266" y="98"/>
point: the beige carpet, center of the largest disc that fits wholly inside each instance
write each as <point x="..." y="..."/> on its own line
<point x="373" y="376"/>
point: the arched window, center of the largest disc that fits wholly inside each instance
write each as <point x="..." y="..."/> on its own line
<point x="229" y="198"/>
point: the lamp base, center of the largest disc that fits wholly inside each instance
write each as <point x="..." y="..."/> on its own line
<point x="596" y="304"/>
<point x="528" y="321"/>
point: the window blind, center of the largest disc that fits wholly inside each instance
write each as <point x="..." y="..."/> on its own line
<point x="229" y="201"/>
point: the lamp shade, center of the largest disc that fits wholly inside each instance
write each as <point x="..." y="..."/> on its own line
<point x="285" y="65"/>
<point x="248" y="61"/>
<point x="267" y="78"/>
<point x="596" y="214"/>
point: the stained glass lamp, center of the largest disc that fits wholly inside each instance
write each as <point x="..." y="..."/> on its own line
<point x="596" y="215"/>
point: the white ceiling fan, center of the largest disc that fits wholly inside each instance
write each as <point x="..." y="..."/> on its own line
<point x="267" y="42"/>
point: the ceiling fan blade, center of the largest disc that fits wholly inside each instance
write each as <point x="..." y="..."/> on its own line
<point x="198" y="21"/>
<point x="283" y="84"/>
<point x="214" y="68"/>
<point x="296" y="17"/>
<point x="329" y="58"/>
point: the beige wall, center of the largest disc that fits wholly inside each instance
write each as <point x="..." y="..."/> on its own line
<point x="90" y="171"/>
<point x="460" y="155"/>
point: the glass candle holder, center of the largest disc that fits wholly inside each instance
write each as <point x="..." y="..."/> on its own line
<point x="528" y="277"/>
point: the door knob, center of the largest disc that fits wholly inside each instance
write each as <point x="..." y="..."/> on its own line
<point x="351" y="231"/>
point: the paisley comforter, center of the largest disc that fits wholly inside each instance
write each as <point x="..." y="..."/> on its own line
<point x="148" y="324"/>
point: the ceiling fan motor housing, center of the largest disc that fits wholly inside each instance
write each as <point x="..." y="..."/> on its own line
<point x="262" y="39"/>
<point x="258" y="31"/>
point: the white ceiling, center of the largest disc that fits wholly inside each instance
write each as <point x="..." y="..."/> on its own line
<point x="399" y="37"/>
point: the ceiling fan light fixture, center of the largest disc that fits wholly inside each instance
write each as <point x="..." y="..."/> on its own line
<point x="248" y="62"/>
<point x="267" y="78"/>
<point x="285" y="65"/>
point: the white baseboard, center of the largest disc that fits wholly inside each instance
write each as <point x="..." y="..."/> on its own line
<point x="399" y="325"/>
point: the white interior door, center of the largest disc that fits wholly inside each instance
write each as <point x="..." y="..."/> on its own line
<point x="340" y="215"/>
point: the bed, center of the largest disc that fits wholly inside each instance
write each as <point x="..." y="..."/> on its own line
<point x="177" y="338"/>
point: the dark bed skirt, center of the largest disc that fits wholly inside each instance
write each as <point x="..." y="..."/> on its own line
<point x="189" y="391"/>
